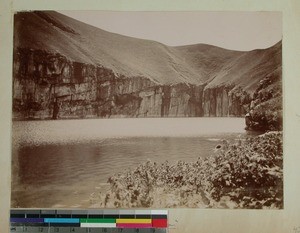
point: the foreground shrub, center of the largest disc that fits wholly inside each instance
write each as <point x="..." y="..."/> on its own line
<point x="244" y="174"/>
<point x="249" y="172"/>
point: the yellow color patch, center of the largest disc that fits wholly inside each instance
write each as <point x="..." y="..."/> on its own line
<point x="133" y="220"/>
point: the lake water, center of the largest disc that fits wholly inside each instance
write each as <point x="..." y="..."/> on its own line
<point x="64" y="163"/>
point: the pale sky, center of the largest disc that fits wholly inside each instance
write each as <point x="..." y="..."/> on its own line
<point x="230" y="30"/>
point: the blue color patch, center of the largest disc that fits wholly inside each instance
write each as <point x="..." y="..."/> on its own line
<point x="61" y="220"/>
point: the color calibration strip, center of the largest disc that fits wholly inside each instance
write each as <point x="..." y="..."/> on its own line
<point x="134" y="219"/>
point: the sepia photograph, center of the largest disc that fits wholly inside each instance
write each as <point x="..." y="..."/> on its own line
<point x="147" y="110"/>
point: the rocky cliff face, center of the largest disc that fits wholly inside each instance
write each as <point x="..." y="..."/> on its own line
<point x="225" y="101"/>
<point x="68" y="71"/>
<point x="50" y="86"/>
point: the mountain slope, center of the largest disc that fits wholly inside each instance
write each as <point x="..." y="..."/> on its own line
<point x="210" y="59"/>
<point x="225" y="67"/>
<point x="83" y="43"/>
<point x="248" y="68"/>
<point x="64" y="68"/>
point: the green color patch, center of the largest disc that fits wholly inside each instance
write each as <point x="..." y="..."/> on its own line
<point x="97" y="220"/>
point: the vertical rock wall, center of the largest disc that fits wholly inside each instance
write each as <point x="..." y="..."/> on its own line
<point x="51" y="86"/>
<point x="225" y="101"/>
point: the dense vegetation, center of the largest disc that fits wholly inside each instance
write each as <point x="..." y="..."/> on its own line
<point x="266" y="107"/>
<point x="244" y="174"/>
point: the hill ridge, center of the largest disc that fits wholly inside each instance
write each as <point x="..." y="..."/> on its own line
<point x="124" y="55"/>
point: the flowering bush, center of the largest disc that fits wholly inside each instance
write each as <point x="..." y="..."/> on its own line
<point x="244" y="174"/>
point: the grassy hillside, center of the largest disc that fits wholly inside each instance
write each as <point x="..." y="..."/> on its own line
<point x="80" y="42"/>
<point x="194" y="64"/>
<point x="249" y="68"/>
<point x="210" y="59"/>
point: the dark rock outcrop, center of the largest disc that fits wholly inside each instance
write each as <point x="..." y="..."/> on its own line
<point x="266" y="106"/>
